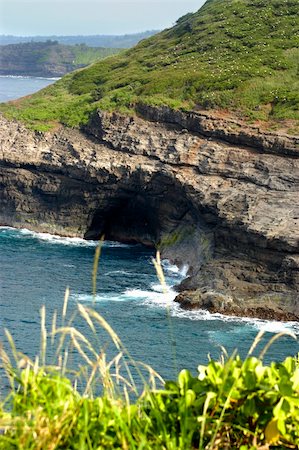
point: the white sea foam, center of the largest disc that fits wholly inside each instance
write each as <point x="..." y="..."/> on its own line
<point x="116" y="244"/>
<point x="99" y="298"/>
<point x="156" y="298"/>
<point x="27" y="77"/>
<point x="157" y="287"/>
<point x="145" y="297"/>
<point x="56" y="239"/>
<point x="151" y="298"/>
<point x="172" y="269"/>
<point x="119" y="272"/>
<point x="258" y="324"/>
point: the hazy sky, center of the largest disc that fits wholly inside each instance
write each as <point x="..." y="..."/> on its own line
<point x="69" y="17"/>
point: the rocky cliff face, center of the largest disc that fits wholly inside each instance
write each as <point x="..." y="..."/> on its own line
<point x="207" y="191"/>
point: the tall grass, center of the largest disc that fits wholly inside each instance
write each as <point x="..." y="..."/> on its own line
<point x="122" y="403"/>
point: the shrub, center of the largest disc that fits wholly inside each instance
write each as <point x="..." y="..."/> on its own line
<point x="230" y="404"/>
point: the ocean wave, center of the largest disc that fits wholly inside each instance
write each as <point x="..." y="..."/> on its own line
<point x="147" y="297"/>
<point x="115" y="244"/>
<point x="98" y="298"/>
<point x="121" y="272"/>
<point x="174" y="269"/>
<point x="56" y="239"/>
<point x="151" y="297"/>
<point x="50" y="238"/>
<point x="156" y="298"/>
<point x="28" y="77"/>
<point x="157" y="287"/>
<point x="258" y="324"/>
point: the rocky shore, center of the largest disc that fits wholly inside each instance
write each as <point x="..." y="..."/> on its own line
<point x="208" y="191"/>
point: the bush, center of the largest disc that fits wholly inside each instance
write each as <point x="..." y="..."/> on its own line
<point x="230" y="404"/>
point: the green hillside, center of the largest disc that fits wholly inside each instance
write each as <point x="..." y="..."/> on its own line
<point x="235" y="55"/>
<point x="48" y="59"/>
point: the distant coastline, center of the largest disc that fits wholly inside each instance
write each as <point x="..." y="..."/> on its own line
<point x="101" y="40"/>
<point x="48" y="59"/>
<point x="55" y="56"/>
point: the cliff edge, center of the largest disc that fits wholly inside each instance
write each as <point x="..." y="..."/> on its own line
<point x="210" y="192"/>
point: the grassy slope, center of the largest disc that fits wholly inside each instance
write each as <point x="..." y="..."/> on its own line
<point x="34" y="56"/>
<point x="239" y="55"/>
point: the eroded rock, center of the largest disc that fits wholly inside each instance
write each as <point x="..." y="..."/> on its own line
<point x="225" y="205"/>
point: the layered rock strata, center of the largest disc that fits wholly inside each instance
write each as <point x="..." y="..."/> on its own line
<point x="208" y="192"/>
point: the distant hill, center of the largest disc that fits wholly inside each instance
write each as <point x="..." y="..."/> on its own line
<point x="107" y="41"/>
<point x="48" y="59"/>
<point x="238" y="56"/>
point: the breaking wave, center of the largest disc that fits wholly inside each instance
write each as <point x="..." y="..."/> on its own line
<point x="60" y="240"/>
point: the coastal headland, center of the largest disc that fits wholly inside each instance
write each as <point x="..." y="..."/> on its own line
<point x="188" y="143"/>
<point x="207" y="190"/>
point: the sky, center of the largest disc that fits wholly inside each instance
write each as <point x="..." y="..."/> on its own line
<point x="73" y="17"/>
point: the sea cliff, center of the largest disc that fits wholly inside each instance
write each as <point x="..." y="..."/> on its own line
<point x="205" y="189"/>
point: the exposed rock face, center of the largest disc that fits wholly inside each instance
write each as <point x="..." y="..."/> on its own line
<point x="222" y="198"/>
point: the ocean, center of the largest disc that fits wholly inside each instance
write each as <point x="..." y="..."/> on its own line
<point x="36" y="268"/>
<point x="13" y="87"/>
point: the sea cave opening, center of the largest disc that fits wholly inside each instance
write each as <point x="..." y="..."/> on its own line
<point x="140" y="210"/>
<point x="156" y="212"/>
<point x="126" y="219"/>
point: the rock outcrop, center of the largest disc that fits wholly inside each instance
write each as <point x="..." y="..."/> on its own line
<point x="207" y="191"/>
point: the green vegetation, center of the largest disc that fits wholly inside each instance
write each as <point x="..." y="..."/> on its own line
<point x="48" y="58"/>
<point x="239" y="56"/>
<point x="230" y="404"/>
<point x="94" y="40"/>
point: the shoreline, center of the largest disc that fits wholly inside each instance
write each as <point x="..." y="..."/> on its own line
<point x="258" y="314"/>
<point x="136" y="180"/>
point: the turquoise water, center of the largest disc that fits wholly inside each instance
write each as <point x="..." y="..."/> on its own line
<point x="36" y="268"/>
<point x="12" y="87"/>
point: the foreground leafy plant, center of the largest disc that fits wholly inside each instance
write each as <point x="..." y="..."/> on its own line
<point x="229" y="404"/>
<point x="232" y="404"/>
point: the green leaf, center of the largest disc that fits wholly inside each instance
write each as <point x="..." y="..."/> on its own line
<point x="285" y="388"/>
<point x="289" y="364"/>
<point x="272" y="432"/>
<point x="190" y="397"/>
<point x="260" y="371"/>
<point x="281" y="426"/>
<point x="282" y="409"/>
<point x="184" y="378"/>
<point x="295" y="380"/>
<point x="249" y="407"/>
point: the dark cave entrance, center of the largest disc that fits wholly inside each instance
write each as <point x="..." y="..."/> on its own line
<point x="141" y="210"/>
<point x="127" y="219"/>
